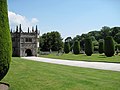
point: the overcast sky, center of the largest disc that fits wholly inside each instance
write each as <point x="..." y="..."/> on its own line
<point x="69" y="17"/>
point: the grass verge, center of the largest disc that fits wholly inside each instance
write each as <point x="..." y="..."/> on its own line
<point x="83" y="57"/>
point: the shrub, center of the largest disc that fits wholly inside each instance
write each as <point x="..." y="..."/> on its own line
<point x="101" y="46"/>
<point x="88" y="47"/>
<point x="109" y="47"/>
<point x="76" y="47"/>
<point x="5" y="40"/>
<point x="66" y="47"/>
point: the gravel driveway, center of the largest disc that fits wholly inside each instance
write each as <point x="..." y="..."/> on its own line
<point x="95" y="65"/>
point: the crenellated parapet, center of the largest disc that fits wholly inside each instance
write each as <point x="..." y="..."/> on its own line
<point x="19" y="30"/>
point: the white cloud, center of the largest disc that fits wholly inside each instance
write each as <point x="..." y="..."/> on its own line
<point x="16" y="19"/>
<point x="34" y="20"/>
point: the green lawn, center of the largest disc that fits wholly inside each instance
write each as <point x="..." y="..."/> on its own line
<point x="32" y="75"/>
<point x="83" y="57"/>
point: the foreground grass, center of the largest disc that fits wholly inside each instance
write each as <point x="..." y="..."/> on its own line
<point x="83" y="57"/>
<point x="31" y="75"/>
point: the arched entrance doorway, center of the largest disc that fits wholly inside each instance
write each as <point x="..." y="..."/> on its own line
<point x="28" y="52"/>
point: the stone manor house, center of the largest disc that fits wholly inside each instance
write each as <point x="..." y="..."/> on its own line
<point x="25" y="43"/>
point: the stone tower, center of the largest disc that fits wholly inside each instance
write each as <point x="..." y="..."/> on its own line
<point x="25" y="43"/>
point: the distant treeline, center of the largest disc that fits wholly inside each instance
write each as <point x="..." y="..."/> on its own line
<point x="53" y="40"/>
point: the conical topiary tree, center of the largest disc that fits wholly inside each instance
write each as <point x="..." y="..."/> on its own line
<point x="109" y="47"/>
<point x="88" y="47"/>
<point x="101" y="46"/>
<point x="66" y="47"/>
<point x="76" y="47"/>
<point x="5" y="40"/>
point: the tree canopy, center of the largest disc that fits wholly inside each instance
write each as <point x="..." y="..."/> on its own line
<point x="51" y="41"/>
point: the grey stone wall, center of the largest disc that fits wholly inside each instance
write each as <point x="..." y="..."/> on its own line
<point x="25" y="43"/>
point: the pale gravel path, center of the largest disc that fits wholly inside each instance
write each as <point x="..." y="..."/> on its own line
<point x="95" y="65"/>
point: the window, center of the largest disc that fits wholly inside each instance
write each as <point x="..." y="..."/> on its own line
<point x="28" y="40"/>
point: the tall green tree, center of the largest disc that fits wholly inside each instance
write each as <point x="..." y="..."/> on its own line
<point x="105" y="31"/>
<point x="5" y="40"/>
<point x="76" y="47"/>
<point x="109" y="47"/>
<point x="45" y="42"/>
<point x="88" y="46"/>
<point x="56" y="41"/>
<point x="51" y="41"/>
<point x="66" y="47"/>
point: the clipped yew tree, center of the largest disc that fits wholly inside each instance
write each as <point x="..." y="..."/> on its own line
<point x="76" y="47"/>
<point x="101" y="46"/>
<point x="109" y="47"/>
<point x="5" y="40"/>
<point x="88" y="46"/>
<point x="66" y="47"/>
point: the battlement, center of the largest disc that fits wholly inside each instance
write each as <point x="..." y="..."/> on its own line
<point x="19" y="30"/>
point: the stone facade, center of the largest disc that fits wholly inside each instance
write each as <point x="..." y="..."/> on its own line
<point x="25" y="43"/>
